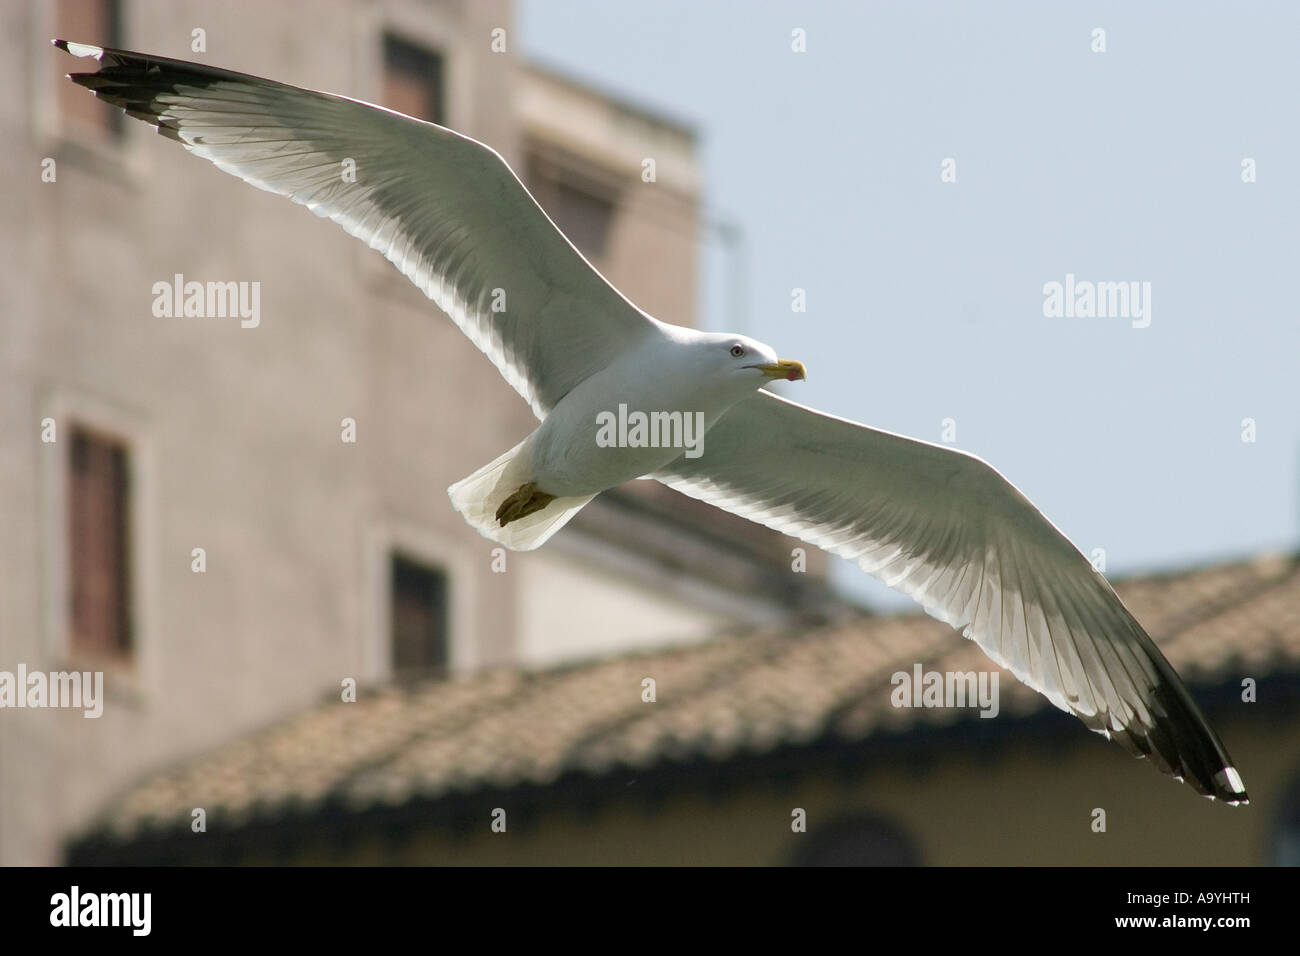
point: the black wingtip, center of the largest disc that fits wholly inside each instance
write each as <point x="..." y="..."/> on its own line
<point x="1229" y="788"/>
<point x="79" y="49"/>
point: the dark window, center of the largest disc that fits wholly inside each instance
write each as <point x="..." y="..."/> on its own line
<point x="584" y="217"/>
<point x="584" y="212"/>
<point x="419" y="619"/>
<point x="99" y="546"/>
<point x="413" y="80"/>
<point x="87" y="21"/>
<point x="856" y="841"/>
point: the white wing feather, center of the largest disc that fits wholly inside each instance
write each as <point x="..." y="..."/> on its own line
<point x="945" y="528"/>
<point x="445" y="209"/>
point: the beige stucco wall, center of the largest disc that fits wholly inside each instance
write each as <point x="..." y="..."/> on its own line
<point x="575" y="610"/>
<point x="236" y="431"/>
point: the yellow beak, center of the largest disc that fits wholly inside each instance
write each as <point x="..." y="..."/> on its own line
<point x="786" y="368"/>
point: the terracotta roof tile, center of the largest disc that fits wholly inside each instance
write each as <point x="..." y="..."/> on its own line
<point x="738" y="694"/>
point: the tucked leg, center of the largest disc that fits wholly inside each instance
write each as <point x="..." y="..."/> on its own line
<point x="522" y="503"/>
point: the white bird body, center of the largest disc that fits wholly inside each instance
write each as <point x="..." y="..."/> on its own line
<point x="673" y="371"/>
<point x="940" y="525"/>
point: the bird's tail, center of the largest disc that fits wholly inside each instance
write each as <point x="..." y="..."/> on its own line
<point x="479" y="496"/>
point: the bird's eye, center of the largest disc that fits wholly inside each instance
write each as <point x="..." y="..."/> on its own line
<point x="737" y="350"/>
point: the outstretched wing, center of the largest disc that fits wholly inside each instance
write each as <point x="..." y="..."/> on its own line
<point x="445" y="209"/>
<point x="945" y="528"/>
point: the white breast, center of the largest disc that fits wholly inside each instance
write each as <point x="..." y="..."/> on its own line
<point x="631" y="418"/>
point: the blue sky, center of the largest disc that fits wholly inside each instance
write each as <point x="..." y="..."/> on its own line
<point x="925" y="298"/>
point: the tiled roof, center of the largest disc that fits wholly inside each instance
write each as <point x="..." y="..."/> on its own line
<point x="741" y="694"/>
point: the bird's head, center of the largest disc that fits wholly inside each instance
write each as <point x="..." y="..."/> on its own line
<point x="741" y="355"/>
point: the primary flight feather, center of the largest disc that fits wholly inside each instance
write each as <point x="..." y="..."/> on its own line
<point x="938" y="524"/>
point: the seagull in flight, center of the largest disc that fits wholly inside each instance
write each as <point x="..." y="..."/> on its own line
<point x="937" y="524"/>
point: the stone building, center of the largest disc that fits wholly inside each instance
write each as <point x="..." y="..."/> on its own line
<point x="180" y="506"/>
